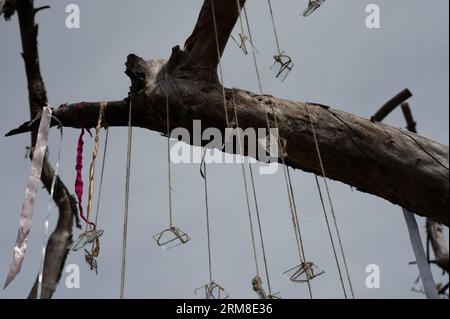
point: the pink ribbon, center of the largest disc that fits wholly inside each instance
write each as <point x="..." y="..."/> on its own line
<point x="79" y="178"/>
<point x="26" y="215"/>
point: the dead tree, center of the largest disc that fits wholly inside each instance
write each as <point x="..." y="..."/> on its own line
<point x="62" y="235"/>
<point x="402" y="167"/>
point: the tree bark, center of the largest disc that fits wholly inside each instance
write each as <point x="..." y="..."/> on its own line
<point x="434" y="230"/>
<point x="61" y="237"/>
<point x="399" y="166"/>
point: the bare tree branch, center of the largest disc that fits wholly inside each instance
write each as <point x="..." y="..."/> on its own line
<point x="201" y="46"/>
<point x="434" y="230"/>
<point x="402" y="167"/>
<point x="62" y="235"/>
<point x="399" y="166"/>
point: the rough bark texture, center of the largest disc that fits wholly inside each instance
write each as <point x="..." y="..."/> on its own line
<point x="434" y="230"/>
<point x="399" y="166"/>
<point x="62" y="235"/>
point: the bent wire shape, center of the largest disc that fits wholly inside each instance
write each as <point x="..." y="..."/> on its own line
<point x="242" y="43"/>
<point x="304" y="272"/>
<point x="86" y="238"/>
<point x="171" y="237"/>
<point x="313" y="5"/>
<point x="212" y="291"/>
<point x="282" y="66"/>
<point x="92" y="262"/>
<point x="258" y="288"/>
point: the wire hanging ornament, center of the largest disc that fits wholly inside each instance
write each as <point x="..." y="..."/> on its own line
<point x="283" y="64"/>
<point x="211" y="290"/>
<point x="313" y="5"/>
<point x="304" y="272"/>
<point x="172" y="236"/>
<point x="242" y="41"/>
<point x="92" y="262"/>
<point x="91" y="235"/>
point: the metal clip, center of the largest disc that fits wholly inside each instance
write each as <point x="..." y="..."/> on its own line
<point x="242" y="43"/>
<point x="171" y="237"/>
<point x="282" y="66"/>
<point x="304" y="272"/>
<point x="92" y="262"/>
<point x="313" y="5"/>
<point x="212" y="291"/>
<point x="86" y="238"/>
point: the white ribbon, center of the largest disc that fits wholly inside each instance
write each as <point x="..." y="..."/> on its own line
<point x="47" y="217"/>
<point x="26" y="215"/>
<point x="429" y="286"/>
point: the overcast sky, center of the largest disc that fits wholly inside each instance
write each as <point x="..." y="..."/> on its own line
<point x="338" y="62"/>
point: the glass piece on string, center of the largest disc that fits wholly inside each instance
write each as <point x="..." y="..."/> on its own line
<point x="86" y="238"/>
<point x="304" y="272"/>
<point x="282" y="66"/>
<point x="243" y="43"/>
<point x="212" y="291"/>
<point x="171" y="237"/>
<point x="313" y="5"/>
<point x="92" y="262"/>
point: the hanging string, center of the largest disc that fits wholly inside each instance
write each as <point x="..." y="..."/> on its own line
<point x="220" y="64"/>
<point x="331" y="236"/>
<point x="292" y="206"/>
<point x="274" y="27"/>
<point x="169" y="166"/>
<point x="255" y="61"/>
<point x="105" y="149"/>
<point x="240" y="18"/>
<point x="208" y="230"/>
<point x="249" y="164"/>
<point x="247" y="197"/>
<point x="94" y="158"/>
<point x="47" y="217"/>
<point x="296" y="222"/>
<point x="92" y="169"/>
<point x="95" y="250"/>
<point x="127" y="195"/>
<point x="252" y="233"/>
<point x="330" y="203"/>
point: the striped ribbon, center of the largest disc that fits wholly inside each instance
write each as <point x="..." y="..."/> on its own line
<point x="47" y="217"/>
<point x="26" y="215"/>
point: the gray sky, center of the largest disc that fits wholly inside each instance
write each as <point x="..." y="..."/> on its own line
<point x="338" y="62"/>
